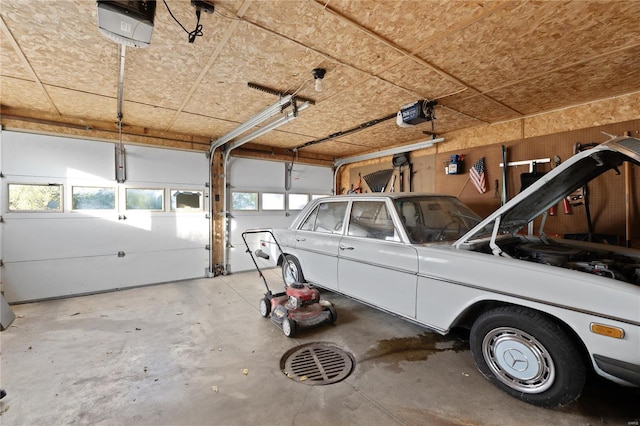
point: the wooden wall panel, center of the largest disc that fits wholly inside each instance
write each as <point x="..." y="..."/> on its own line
<point x="607" y="197"/>
<point x="606" y="193"/>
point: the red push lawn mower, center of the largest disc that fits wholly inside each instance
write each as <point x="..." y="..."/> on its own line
<point x="298" y="306"/>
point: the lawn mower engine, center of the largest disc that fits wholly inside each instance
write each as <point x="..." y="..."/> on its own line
<point x="299" y="306"/>
<point x="301" y="295"/>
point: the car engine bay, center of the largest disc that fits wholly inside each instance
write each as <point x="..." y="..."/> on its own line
<point x="584" y="258"/>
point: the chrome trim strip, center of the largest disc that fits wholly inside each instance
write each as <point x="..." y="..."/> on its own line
<point x="530" y="299"/>
<point x="354" y="259"/>
<point x="404" y="317"/>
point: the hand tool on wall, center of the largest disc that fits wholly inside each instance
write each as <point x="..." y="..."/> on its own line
<point x="357" y="190"/>
<point x="505" y="197"/>
<point x="377" y="181"/>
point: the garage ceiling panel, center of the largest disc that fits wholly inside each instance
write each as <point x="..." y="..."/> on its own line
<point x="427" y="82"/>
<point x="484" y="109"/>
<point x="407" y="25"/>
<point x="309" y="24"/>
<point x="526" y="39"/>
<point x="579" y="83"/>
<point x="62" y="45"/>
<point x="25" y="96"/>
<point x="485" y="62"/>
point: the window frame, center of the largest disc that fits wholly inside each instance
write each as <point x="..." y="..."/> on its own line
<point x="175" y="208"/>
<point x="270" y="209"/>
<point x="60" y="208"/>
<point x="115" y="198"/>
<point x="126" y="197"/>
<point x="257" y="201"/>
<point x="290" y="194"/>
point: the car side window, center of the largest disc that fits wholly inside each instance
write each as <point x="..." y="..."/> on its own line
<point x="371" y="219"/>
<point x="310" y="221"/>
<point x="326" y="218"/>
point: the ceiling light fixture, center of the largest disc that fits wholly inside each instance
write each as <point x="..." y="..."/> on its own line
<point x="318" y="75"/>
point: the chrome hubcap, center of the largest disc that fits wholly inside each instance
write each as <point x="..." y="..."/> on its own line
<point x="518" y="360"/>
<point x="290" y="273"/>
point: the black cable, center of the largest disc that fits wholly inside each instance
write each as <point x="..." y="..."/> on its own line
<point x="197" y="32"/>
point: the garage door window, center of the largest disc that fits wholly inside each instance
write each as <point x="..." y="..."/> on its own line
<point x="92" y="198"/>
<point x="298" y="201"/>
<point x="244" y="201"/>
<point x="35" y="197"/>
<point x="144" y="199"/>
<point x="272" y="201"/>
<point x="186" y="200"/>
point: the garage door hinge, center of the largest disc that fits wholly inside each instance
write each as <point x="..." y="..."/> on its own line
<point x="207" y="247"/>
<point x="1" y="219"/>
<point x="206" y="216"/>
<point x="1" y="263"/>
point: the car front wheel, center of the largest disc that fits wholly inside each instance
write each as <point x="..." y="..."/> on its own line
<point x="291" y="270"/>
<point x="528" y="355"/>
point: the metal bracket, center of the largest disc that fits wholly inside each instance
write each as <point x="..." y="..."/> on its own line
<point x="530" y="163"/>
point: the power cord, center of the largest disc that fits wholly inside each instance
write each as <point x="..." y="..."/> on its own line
<point x="197" y="32"/>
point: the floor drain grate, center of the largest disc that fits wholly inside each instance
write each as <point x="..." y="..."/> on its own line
<point x="317" y="364"/>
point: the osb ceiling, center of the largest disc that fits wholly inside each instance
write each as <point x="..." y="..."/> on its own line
<point x="483" y="61"/>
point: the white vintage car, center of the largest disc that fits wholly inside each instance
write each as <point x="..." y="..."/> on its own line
<point x="542" y="312"/>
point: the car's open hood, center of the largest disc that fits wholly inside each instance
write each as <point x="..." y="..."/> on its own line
<point x="555" y="185"/>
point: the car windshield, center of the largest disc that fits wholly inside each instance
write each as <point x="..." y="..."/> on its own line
<point x="435" y="218"/>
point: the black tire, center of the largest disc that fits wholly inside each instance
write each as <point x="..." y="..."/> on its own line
<point x="528" y="355"/>
<point x="265" y="307"/>
<point x="289" y="327"/>
<point x="291" y="270"/>
<point x="333" y="314"/>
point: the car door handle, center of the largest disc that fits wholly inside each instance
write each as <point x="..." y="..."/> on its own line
<point x="301" y="239"/>
<point x="343" y="247"/>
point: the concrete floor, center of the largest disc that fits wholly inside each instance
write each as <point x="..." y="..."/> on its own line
<point x="176" y="354"/>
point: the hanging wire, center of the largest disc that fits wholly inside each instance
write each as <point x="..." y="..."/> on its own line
<point x="197" y="32"/>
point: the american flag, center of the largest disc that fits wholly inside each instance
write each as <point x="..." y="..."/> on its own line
<point x="477" y="176"/>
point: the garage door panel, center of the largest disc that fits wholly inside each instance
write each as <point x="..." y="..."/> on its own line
<point x="59" y="238"/>
<point x="52" y="254"/>
<point x="62" y="157"/>
<point x="180" y="167"/>
<point x="50" y="278"/>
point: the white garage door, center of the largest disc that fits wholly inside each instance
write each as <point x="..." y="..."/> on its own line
<point x="261" y="198"/>
<point x="68" y="228"/>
